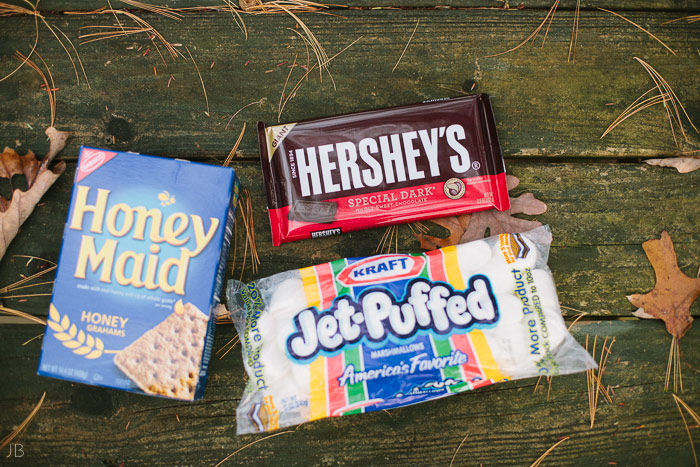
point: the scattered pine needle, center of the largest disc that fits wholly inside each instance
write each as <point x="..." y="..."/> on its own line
<point x="548" y="451"/>
<point x="22" y="314"/>
<point x="232" y="153"/>
<point x="406" y="48"/>
<point x="246" y="211"/>
<point x="250" y="444"/>
<point x="20" y="283"/>
<point x="454" y="456"/>
<point x="690" y="19"/>
<point x="574" y="34"/>
<point x="171" y="13"/>
<point x="674" y="366"/>
<point x="279" y="106"/>
<point x="120" y="30"/>
<point x="50" y="88"/>
<point x="228" y="346"/>
<point x="535" y="33"/>
<point x="32" y="339"/>
<point x="206" y="99"/>
<point x="296" y="87"/>
<point x="259" y="102"/>
<point x="595" y="384"/>
<point x="679" y="402"/>
<point x="641" y="28"/>
<point x="22" y="426"/>
<point x="666" y="96"/>
<point x="13" y="10"/>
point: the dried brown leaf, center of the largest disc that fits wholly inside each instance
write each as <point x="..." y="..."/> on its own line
<point x="682" y="164"/>
<point x="15" y="211"/>
<point x="673" y="293"/>
<point x="468" y="227"/>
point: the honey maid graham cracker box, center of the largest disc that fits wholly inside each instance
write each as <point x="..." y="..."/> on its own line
<point x="140" y="273"/>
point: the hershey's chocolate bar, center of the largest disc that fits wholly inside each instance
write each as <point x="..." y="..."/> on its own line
<point x="320" y="212"/>
<point x="382" y="167"/>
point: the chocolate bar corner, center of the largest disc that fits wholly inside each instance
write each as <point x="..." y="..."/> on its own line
<point x="382" y="167"/>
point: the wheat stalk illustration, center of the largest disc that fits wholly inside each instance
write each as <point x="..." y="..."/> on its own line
<point x="79" y="342"/>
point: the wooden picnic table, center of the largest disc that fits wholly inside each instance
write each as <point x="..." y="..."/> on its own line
<point x="603" y="202"/>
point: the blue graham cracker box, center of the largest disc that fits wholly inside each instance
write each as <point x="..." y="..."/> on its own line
<point x="140" y="272"/>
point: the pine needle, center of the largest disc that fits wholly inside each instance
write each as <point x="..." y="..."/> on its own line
<point x="454" y="456"/>
<point x="228" y="347"/>
<point x="110" y="32"/>
<point x="406" y="48"/>
<point x="690" y="19"/>
<point x="22" y="314"/>
<point x="259" y="102"/>
<point x="206" y="99"/>
<point x="574" y="34"/>
<point x="250" y="444"/>
<point x="674" y="366"/>
<point x="49" y="85"/>
<point x="679" y="402"/>
<point x="666" y="96"/>
<point x="237" y="17"/>
<point x="296" y="87"/>
<point x="232" y="153"/>
<point x="22" y="426"/>
<point x="639" y="27"/>
<point x="20" y="283"/>
<point x="279" y="106"/>
<point x="246" y="211"/>
<point x="595" y="385"/>
<point x="11" y="10"/>
<point x="171" y="13"/>
<point x="548" y="451"/>
<point x="534" y="33"/>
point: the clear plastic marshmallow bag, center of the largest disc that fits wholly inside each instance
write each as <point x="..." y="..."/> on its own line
<point x="364" y="334"/>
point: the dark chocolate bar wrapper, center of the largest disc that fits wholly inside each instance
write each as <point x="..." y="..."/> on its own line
<point x="381" y="167"/>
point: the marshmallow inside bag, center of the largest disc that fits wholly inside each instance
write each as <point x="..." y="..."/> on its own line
<point x="546" y="289"/>
<point x="472" y="256"/>
<point x="499" y="275"/>
<point x="510" y="309"/>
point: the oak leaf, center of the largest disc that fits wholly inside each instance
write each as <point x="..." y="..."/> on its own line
<point x="674" y="292"/>
<point x="681" y="164"/>
<point x="468" y="227"/>
<point x="15" y="211"/>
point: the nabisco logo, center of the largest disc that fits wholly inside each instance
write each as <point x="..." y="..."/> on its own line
<point x="381" y="268"/>
<point x="91" y="160"/>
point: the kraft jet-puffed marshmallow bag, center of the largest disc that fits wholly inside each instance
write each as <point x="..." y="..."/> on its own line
<point x="364" y="334"/>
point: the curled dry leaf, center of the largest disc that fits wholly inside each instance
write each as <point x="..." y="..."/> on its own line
<point x="15" y="211"/>
<point x="673" y="293"/>
<point x="682" y="164"/>
<point x="468" y="227"/>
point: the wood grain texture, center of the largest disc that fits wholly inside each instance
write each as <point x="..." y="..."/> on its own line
<point x="544" y="106"/>
<point x="57" y="6"/>
<point x="599" y="213"/>
<point x="507" y="423"/>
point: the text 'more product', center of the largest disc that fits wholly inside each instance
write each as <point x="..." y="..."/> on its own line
<point x="141" y="268"/>
<point x="364" y="334"/>
<point x="350" y="172"/>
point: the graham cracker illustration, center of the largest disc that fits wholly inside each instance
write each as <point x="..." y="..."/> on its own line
<point x="166" y="359"/>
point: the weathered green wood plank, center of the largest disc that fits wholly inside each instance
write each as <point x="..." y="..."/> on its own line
<point x="599" y="213"/>
<point x="675" y="5"/>
<point x="507" y="424"/>
<point x="544" y="106"/>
